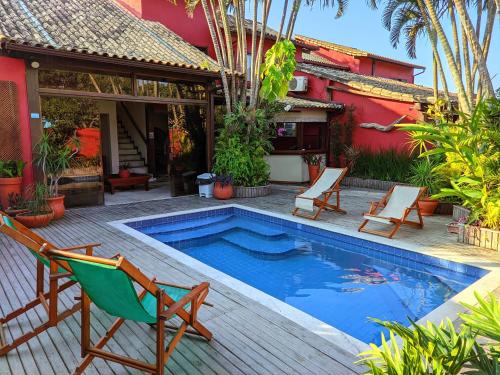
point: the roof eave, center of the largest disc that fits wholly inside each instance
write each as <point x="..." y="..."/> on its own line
<point x="8" y="45"/>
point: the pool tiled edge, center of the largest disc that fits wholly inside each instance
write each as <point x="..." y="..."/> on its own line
<point x="383" y="247"/>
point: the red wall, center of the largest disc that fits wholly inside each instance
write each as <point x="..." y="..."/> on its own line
<point x="15" y="70"/>
<point x="386" y="69"/>
<point x="174" y="16"/>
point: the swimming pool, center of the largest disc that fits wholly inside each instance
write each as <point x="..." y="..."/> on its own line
<point x="340" y="280"/>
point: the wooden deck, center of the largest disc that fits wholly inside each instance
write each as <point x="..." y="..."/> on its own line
<point x="248" y="337"/>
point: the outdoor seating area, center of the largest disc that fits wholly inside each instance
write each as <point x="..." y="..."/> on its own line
<point x="247" y="337"/>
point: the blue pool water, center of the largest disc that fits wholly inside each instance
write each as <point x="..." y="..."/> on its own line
<point x="338" y="279"/>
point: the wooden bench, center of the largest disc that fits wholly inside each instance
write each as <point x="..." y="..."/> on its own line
<point x="115" y="181"/>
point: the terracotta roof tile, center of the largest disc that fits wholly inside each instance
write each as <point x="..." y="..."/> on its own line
<point x="384" y="87"/>
<point x="308" y="103"/>
<point x="96" y="27"/>
<point x="351" y="51"/>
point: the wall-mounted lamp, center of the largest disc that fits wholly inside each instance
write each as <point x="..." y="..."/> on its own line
<point x="35" y="64"/>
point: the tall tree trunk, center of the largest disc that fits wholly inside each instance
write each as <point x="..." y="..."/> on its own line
<point x="218" y="54"/>
<point x="454" y="30"/>
<point x="488" y="31"/>
<point x="243" y="93"/>
<point x="484" y="75"/>
<point x="463" y="100"/>
<point x="265" y="12"/>
<point x="293" y="19"/>
<point x="282" y="22"/>
<point x="254" y="48"/>
<point x="435" y="52"/>
<point x="435" y="84"/>
<point x="229" y="47"/>
<point x="467" y="66"/>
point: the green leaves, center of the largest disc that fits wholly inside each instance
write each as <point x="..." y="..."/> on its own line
<point x="11" y="168"/>
<point x="471" y="166"/>
<point x="440" y="350"/>
<point x="277" y="70"/>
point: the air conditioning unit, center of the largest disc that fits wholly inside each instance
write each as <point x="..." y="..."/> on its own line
<point x="298" y="84"/>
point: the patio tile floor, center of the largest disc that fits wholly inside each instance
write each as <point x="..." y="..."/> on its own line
<point x="248" y="337"/>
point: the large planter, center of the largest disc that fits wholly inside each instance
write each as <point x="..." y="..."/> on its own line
<point x="9" y="185"/>
<point x="223" y="192"/>
<point x="313" y="172"/>
<point x="56" y="204"/>
<point x="427" y="206"/>
<point x="252" y="192"/>
<point x="90" y="142"/>
<point x="477" y="236"/>
<point x="35" y="221"/>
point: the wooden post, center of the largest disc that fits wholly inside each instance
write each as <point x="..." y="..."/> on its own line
<point x="34" y="109"/>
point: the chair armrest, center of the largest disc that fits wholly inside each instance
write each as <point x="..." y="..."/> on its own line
<point x="179" y="305"/>
<point x="79" y="247"/>
<point x="174" y="285"/>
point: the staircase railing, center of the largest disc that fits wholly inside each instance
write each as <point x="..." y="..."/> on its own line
<point x="134" y="124"/>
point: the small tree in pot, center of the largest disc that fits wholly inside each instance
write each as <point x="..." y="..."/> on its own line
<point x="53" y="158"/>
<point x="223" y="188"/>
<point x="39" y="213"/>
<point x="423" y="173"/>
<point x="313" y="164"/>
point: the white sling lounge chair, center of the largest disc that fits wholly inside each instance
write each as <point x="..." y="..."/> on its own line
<point x="395" y="207"/>
<point x="318" y="194"/>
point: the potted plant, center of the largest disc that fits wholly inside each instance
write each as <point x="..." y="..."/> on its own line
<point x="53" y="159"/>
<point x="11" y="179"/>
<point x="39" y="213"/>
<point x="223" y="187"/>
<point x="124" y="171"/>
<point x="423" y="173"/>
<point x="17" y="205"/>
<point x="313" y="164"/>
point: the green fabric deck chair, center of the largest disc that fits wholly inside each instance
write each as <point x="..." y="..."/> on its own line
<point x="48" y="299"/>
<point x="109" y="284"/>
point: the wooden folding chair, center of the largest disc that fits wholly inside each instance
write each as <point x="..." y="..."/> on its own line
<point x="49" y="299"/>
<point x="395" y="207"/>
<point x="109" y="284"/>
<point x="319" y="193"/>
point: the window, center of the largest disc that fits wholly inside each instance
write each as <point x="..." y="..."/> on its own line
<point x="293" y="137"/>
<point x="81" y="81"/>
<point x="166" y="89"/>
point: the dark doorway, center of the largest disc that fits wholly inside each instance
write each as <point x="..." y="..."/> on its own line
<point x="158" y="140"/>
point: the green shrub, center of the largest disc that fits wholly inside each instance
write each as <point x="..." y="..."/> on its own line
<point x="387" y="165"/>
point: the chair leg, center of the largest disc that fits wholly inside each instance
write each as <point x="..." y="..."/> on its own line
<point x="363" y="224"/>
<point x="160" y="342"/>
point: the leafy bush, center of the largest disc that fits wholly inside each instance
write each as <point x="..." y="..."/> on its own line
<point x="388" y="165"/>
<point x="11" y="168"/>
<point x="443" y="349"/>
<point x="423" y="173"/>
<point x="471" y="163"/>
<point x="243" y="142"/>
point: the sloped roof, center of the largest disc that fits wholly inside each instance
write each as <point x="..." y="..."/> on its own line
<point x="314" y="58"/>
<point x="351" y="51"/>
<point x="295" y="102"/>
<point x="99" y="27"/>
<point x="378" y="86"/>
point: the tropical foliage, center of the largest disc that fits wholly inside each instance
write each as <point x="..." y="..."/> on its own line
<point x="464" y="47"/>
<point x="471" y="158"/>
<point x="11" y="168"/>
<point x="242" y="144"/>
<point x="440" y="349"/>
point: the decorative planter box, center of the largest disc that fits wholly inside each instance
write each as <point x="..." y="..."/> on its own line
<point x="460" y="212"/>
<point x="251" y="192"/>
<point x="482" y="237"/>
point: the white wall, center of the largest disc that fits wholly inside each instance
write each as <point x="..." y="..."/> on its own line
<point x="288" y="168"/>
<point x="109" y="107"/>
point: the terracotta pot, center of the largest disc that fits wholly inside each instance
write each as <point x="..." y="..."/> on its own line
<point x="56" y="204"/>
<point x="13" y="213"/>
<point x="428" y="206"/>
<point x="124" y="173"/>
<point x="313" y="172"/>
<point x="35" y="221"/>
<point x="9" y="185"/>
<point x="90" y="142"/>
<point x="223" y="192"/>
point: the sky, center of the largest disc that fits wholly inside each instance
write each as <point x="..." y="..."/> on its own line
<point x="361" y="27"/>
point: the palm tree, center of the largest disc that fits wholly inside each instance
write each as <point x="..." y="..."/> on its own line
<point x="405" y="18"/>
